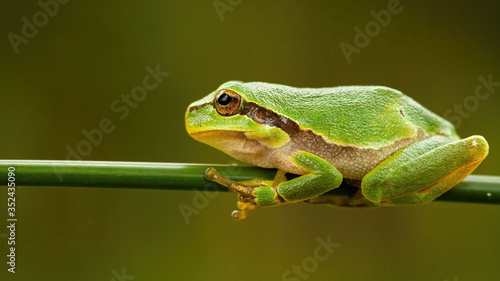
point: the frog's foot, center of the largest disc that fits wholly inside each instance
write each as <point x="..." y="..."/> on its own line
<point x="253" y="194"/>
<point x="246" y="206"/>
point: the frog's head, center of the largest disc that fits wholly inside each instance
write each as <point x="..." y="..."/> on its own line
<point x="231" y="120"/>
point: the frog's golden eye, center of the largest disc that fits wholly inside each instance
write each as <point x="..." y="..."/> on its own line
<point x="227" y="102"/>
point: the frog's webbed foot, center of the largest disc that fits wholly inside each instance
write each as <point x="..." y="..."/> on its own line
<point x="246" y="206"/>
<point x="247" y="199"/>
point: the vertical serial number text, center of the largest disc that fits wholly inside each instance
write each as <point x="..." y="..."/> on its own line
<point x="11" y="220"/>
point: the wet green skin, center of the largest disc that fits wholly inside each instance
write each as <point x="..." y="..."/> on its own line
<point x="395" y="150"/>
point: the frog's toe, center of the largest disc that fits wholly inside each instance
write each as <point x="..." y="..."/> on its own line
<point x="212" y="175"/>
<point x="238" y="215"/>
<point x="245" y="208"/>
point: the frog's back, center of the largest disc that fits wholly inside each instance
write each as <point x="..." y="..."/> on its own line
<point x="361" y="116"/>
<point x="353" y="127"/>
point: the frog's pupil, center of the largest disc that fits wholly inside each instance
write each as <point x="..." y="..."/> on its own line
<point x="224" y="99"/>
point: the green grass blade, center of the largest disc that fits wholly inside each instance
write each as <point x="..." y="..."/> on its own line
<point x="178" y="176"/>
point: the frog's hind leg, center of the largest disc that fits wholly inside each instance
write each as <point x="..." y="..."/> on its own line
<point x="422" y="171"/>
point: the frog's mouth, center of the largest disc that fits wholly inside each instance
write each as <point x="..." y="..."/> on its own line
<point x="224" y="140"/>
<point x="236" y="144"/>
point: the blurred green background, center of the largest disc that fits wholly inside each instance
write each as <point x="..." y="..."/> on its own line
<point x="65" y="78"/>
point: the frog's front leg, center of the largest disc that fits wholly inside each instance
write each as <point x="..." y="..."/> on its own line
<point x="249" y="191"/>
<point x="422" y="171"/>
<point x="254" y="194"/>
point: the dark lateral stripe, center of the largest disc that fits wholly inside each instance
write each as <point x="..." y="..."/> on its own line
<point x="196" y="107"/>
<point x="268" y="117"/>
<point x="306" y="139"/>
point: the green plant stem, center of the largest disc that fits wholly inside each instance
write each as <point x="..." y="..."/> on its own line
<point x="172" y="176"/>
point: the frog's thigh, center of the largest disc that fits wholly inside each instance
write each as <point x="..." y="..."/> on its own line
<point x="423" y="171"/>
<point x="321" y="178"/>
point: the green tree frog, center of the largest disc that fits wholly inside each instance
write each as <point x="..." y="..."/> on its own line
<point x="376" y="138"/>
